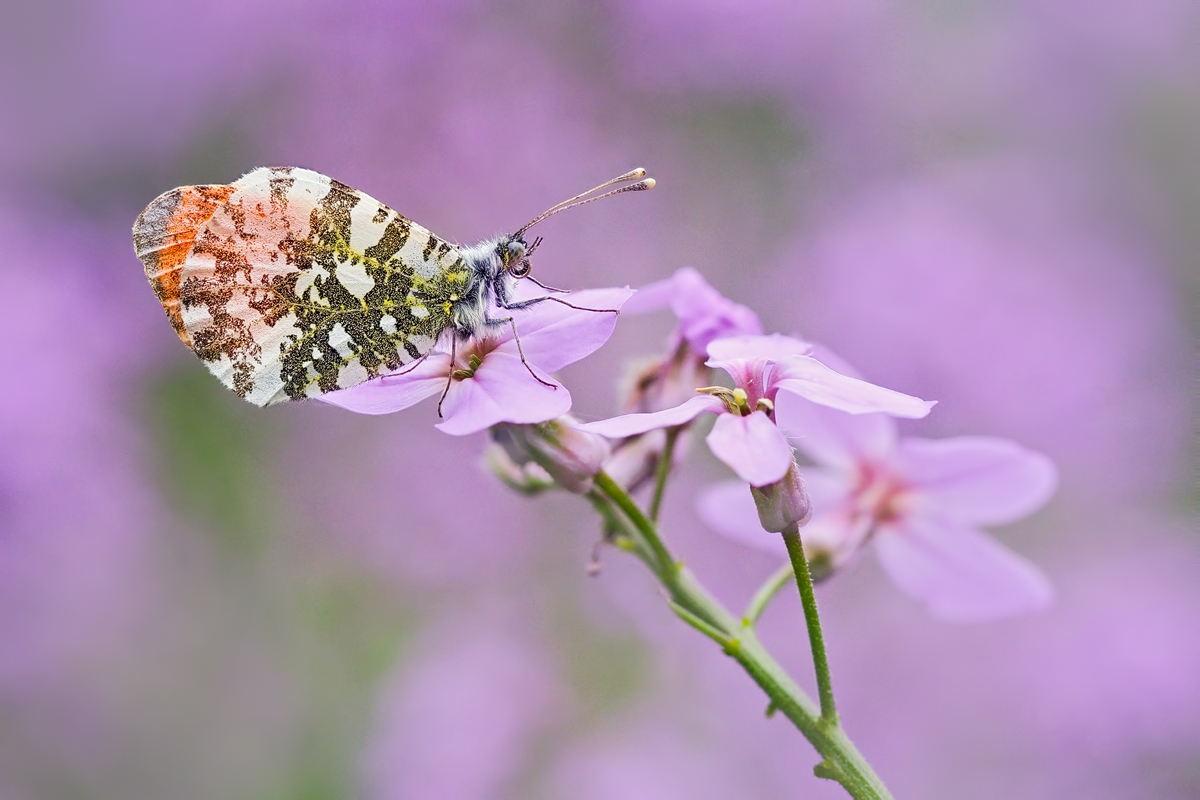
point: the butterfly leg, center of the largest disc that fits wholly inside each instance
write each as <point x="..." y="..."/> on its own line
<point x="544" y="286"/>
<point x="450" y="374"/>
<point x="517" y="339"/>
<point x="407" y="369"/>
<point x="560" y="301"/>
<point x="581" y="308"/>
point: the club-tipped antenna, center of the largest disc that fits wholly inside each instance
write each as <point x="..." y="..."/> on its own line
<point x="577" y="200"/>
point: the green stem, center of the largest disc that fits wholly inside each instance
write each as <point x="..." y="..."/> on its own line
<point x="718" y="636"/>
<point x="766" y="593"/>
<point x="816" y="640"/>
<point x="841" y="760"/>
<point x="665" y="462"/>
<point x="649" y="532"/>
<point x="614" y="522"/>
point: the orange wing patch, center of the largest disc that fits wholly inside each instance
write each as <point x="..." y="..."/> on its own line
<point x="163" y="236"/>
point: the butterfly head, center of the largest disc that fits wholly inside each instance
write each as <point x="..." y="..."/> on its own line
<point x="515" y="253"/>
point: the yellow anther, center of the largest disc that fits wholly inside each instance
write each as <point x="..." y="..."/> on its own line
<point x="729" y="398"/>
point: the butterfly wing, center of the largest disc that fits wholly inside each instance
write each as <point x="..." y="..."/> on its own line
<point x="296" y="285"/>
<point x="163" y="235"/>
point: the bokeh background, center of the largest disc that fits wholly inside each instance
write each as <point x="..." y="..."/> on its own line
<point x="996" y="205"/>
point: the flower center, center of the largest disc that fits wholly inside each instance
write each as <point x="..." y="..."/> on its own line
<point x="737" y="401"/>
<point x="880" y="494"/>
<point x="473" y="362"/>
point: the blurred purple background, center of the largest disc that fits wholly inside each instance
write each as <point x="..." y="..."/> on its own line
<point x="994" y="205"/>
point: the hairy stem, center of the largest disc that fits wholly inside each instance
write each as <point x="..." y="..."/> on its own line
<point x="647" y="530"/>
<point x="693" y="604"/>
<point x="766" y="593"/>
<point x="816" y="640"/>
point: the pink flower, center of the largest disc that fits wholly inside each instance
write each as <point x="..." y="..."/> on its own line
<point x="745" y="435"/>
<point x="704" y="314"/>
<point x="920" y="501"/>
<point x="488" y="383"/>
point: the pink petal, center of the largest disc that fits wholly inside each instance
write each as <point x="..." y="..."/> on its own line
<point x="960" y="573"/>
<point x="835" y="362"/>
<point x="704" y="313"/>
<point x="633" y="424"/>
<point x="653" y="296"/>
<point x="834" y="438"/>
<point x="772" y="348"/>
<point x="395" y="392"/>
<point x="554" y="335"/>
<point x="814" y="381"/>
<point x="977" y="479"/>
<point x="827" y="489"/>
<point x="748" y="374"/>
<point x="729" y="510"/>
<point x="502" y="390"/>
<point x="839" y="533"/>
<point x="751" y="446"/>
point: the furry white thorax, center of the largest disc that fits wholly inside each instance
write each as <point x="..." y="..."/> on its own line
<point x="490" y="284"/>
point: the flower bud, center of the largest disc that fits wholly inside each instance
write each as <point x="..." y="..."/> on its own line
<point x="569" y="456"/>
<point x="527" y="478"/>
<point x="782" y="503"/>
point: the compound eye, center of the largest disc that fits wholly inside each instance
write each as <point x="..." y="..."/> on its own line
<point x="516" y="250"/>
<point x="521" y="268"/>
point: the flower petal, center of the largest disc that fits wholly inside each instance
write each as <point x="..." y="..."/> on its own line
<point x="834" y="438"/>
<point x="633" y="424"/>
<point x="961" y="574"/>
<point x="814" y="381"/>
<point x="835" y="362"/>
<point x="772" y="348"/>
<point x="396" y="391"/>
<point x="977" y="479"/>
<point x="751" y="446"/>
<point x="653" y="296"/>
<point x="704" y="313"/>
<point x="554" y="335"/>
<point x="502" y="390"/>
<point x="729" y="510"/>
<point x="827" y="489"/>
<point x="838" y="534"/>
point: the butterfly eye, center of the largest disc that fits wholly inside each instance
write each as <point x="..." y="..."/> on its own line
<point x="521" y="268"/>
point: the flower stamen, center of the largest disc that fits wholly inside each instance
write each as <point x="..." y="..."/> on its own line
<point x="727" y="396"/>
<point x="473" y="363"/>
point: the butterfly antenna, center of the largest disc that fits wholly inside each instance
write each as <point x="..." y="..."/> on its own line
<point x="577" y="200"/>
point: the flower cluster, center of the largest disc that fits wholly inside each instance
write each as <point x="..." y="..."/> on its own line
<point x="917" y="502"/>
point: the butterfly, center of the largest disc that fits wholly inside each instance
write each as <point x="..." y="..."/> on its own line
<point x="289" y="284"/>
